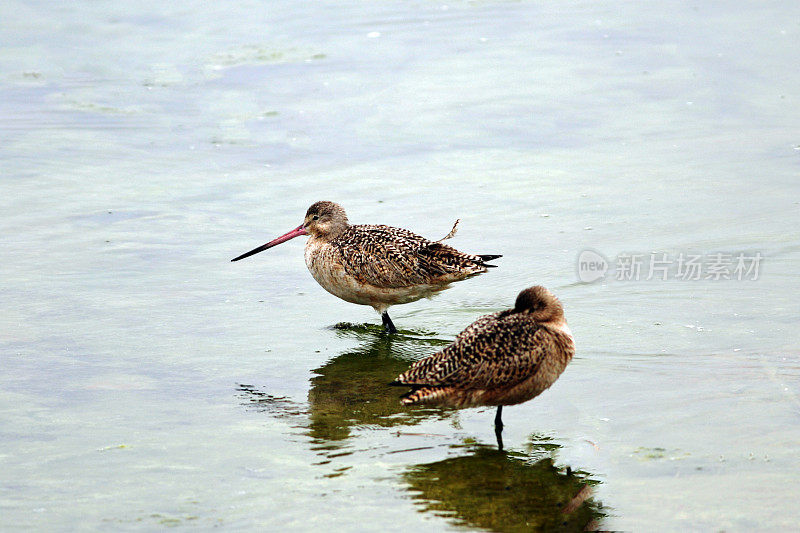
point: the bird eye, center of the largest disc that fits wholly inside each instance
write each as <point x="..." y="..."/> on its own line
<point x="315" y="217"/>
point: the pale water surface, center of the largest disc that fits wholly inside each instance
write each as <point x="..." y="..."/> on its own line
<point x="146" y="381"/>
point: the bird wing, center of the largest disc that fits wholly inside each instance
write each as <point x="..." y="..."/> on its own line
<point x="494" y="351"/>
<point x="389" y="257"/>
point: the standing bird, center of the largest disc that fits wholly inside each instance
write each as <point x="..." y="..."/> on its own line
<point x="501" y="359"/>
<point x="377" y="265"/>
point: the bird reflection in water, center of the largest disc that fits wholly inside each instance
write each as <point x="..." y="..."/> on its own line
<point x="506" y="491"/>
<point x="349" y="391"/>
<point x="482" y="487"/>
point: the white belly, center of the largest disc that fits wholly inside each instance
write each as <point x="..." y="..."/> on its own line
<point x="322" y="262"/>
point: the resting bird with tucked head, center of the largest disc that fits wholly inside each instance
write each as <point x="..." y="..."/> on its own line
<point x="505" y="358"/>
<point x="377" y="265"/>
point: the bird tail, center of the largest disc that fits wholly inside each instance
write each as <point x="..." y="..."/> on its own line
<point x="485" y="258"/>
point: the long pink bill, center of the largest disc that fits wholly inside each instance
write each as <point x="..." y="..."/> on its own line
<point x="296" y="232"/>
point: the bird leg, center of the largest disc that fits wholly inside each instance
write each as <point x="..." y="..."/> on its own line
<point x="387" y="323"/>
<point x="498" y="427"/>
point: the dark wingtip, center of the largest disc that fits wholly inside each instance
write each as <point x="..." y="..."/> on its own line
<point x="489" y="258"/>
<point x="396" y="383"/>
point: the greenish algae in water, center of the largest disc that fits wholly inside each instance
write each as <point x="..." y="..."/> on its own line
<point x="367" y="328"/>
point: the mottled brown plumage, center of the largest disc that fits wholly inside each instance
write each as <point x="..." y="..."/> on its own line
<point x="377" y="265"/>
<point x="504" y="358"/>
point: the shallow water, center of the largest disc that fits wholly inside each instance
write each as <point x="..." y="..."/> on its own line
<point x="149" y="382"/>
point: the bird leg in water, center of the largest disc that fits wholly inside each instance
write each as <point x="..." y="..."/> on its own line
<point x="498" y="427"/>
<point x="387" y="323"/>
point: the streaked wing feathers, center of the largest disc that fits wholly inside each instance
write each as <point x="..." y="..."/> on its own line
<point x="390" y="257"/>
<point x="497" y="350"/>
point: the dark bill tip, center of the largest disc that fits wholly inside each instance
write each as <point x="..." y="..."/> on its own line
<point x="296" y="232"/>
